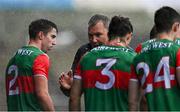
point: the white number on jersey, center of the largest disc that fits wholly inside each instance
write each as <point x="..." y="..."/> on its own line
<point x="106" y="71"/>
<point x="12" y="82"/>
<point x="166" y="77"/>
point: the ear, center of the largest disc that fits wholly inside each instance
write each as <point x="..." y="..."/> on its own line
<point x="175" y="27"/>
<point x="40" y="35"/>
<point x="129" y="36"/>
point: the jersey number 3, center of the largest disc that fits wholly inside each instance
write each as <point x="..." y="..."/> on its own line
<point x="106" y="71"/>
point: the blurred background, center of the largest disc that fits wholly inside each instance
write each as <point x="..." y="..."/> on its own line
<point x="71" y="17"/>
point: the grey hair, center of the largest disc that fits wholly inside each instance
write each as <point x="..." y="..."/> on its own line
<point x="98" y="17"/>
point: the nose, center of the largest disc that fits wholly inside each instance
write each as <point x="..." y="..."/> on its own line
<point x="94" y="39"/>
<point x="54" y="42"/>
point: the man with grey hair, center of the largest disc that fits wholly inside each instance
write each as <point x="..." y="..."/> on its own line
<point x="98" y="34"/>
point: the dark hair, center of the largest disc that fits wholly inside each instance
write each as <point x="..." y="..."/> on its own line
<point x="119" y="27"/>
<point x="153" y="32"/>
<point x="98" y="17"/>
<point x="40" y="25"/>
<point x="164" y="18"/>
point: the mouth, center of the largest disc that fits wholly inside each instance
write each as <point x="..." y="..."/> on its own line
<point x="50" y="47"/>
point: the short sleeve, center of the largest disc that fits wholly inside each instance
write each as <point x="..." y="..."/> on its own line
<point x="77" y="73"/>
<point x="41" y="65"/>
<point x="178" y="59"/>
<point x="133" y="74"/>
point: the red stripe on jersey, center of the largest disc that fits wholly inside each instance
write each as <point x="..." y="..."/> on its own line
<point x="25" y="84"/>
<point x="90" y="77"/>
<point x="178" y="58"/>
<point x="41" y="65"/>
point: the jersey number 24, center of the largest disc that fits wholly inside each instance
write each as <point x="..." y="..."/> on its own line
<point x="166" y="77"/>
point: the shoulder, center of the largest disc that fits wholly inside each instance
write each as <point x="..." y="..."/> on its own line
<point x="86" y="47"/>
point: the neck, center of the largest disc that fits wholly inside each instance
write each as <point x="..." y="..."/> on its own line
<point x="35" y="43"/>
<point x="167" y="36"/>
<point x="117" y="43"/>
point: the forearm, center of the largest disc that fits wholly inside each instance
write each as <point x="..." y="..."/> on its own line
<point x="74" y="104"/>
<point x="75" y="96"/>
<point x="41" y="91"/>
<point x="65" y="91"/>
<point x="133" y="98"/>
<point x="143" y="104"/>
<point x="45" y="102"/>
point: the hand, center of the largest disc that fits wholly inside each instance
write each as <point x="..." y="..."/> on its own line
<point x="66" y="80"/>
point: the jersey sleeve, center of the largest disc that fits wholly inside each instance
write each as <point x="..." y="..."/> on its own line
<point x="133" y="74"/>
<point x="77" y="73"/>
<point x="138" y="48"/>
<point x="178" y="59"/>
<point x="41" y="66"/>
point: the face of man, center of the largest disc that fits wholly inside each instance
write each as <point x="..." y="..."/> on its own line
<point x="98" y="34"/>
<point x="49" y="40"/>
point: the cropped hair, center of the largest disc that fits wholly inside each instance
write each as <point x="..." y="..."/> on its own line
<point x="119" y="27"/>
<point x="98" y="17"/>
<point x="40" y="25"/>
<point x="153" y="32"/>
<point x="164" y="18"/>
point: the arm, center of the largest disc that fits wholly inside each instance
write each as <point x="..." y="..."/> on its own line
<point x="133" y="96"/>
<point x="75" y="95"/>
<point x="66" y="79"/>
<point x="178" y="75"/>
<point x="143" y="102"/>
<point x="41" y="91"/>
<point x="40" y="76"/>
<point x="133" y="91"/>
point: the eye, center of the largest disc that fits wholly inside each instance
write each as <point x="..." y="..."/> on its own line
<point x="90" y="35"/>
<point x="98" y="34"/>
<point x="53" y="36"/>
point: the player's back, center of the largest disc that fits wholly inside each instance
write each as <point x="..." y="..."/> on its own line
<point x="106" y="73"/>
<point x="19" y="80"/>
<point x="156" y="68"/>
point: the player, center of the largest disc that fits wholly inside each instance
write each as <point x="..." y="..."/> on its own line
<point x="156" y="68"/>
<point x="98" y="34"/>
<point x="103" y="74"/>
<point x="27" y="70"/>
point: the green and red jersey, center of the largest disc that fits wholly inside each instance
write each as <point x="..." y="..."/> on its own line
<point x="105" y="74"/>
<point x="155" y="69"/>
<point x="28" y="62"/>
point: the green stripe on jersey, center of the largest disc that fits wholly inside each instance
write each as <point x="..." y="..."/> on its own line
<point x="164" y="99"/>
<point x="23" y="102"/>
<point x="109" y="100"/>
